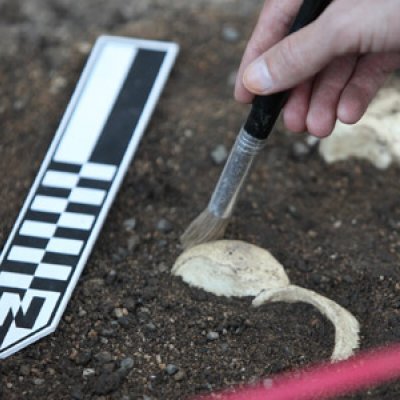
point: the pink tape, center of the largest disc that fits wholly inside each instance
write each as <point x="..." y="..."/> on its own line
<point x="326" y="380"/>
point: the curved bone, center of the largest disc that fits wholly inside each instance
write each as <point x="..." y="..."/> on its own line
<point x="235" y="268"/>
<point x="230" y="268"/>
<point x="346" y="326"/>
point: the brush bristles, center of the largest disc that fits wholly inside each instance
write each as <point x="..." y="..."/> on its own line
<point x="205" y="228"/>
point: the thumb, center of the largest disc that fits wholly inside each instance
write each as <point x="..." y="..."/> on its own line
<point x="293" y="60"/>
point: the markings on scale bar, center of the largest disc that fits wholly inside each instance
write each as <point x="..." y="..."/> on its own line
<point x="77" y="183"/>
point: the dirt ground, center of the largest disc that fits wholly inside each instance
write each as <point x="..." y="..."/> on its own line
<point x="335" y="228"/>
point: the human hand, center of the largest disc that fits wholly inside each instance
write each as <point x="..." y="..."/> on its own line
<point x="335" y="65"/>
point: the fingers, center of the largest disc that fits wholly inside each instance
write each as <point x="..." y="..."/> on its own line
<point x="370" y="74"/>
<point x="273" y="24"/>
<point x="296" y="108"/>
<point x="342" y="90"/>
<point x="339" y="83"/>
<point x="312" y="106"/>
<point x="346" y="27"/>
<point x="327" y="89"/>
<point x="293" y="60"/>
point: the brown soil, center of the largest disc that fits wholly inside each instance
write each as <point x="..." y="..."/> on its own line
<point x="291" y="206"/>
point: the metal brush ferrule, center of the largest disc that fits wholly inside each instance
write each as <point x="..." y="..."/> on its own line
<point x="233" y="176"/>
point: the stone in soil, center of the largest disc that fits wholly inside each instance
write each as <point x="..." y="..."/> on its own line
<point x="107" y="383"/>
<point x="180" y="375"/>
<point x="171" y="369"/>
<point x="164" y="226"/>
<point x="230" y="34"/>
<point x="88" y="372"/>
<point x="300" y="150"/>
<point x="76" y="393"/>
<point x="103" y="357"/>
<point x="25" y="370"/>
<point x="212" y="336"/>
<point x="133" y="242"/>
<point x="83" y="357"/>
<point x="130" y="224"/>
<point x="127" y="363"/>
<point x="219" y="154"/>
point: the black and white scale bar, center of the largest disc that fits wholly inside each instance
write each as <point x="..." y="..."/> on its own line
<point x="77" y="183"/>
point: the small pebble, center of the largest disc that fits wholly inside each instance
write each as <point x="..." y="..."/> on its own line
<point x="83" y="358"/>
<point x="88" y="372"/>
<point x="230" y="34"/>
<point x="25" y="370"/>
<point x="107" y="383"/>
<point x="212" y="336"/>
<point x="188" y="133"/>
<point x="130" y="304"/>
<point x="19" y="104"/>
<point x="162" y="243"/>
<point x="312" y="141"/>
<point x="127" y="363"/>
<point x="124" y="322"/>
<point x="57" y="84"/>
<point x="103" y="357"/>
<point x="293" y="210"/>
<point x="133" y="242"/>
<point x="38" y="381"/>
<point x="300" y="151"/>
<point x="219" y="154"/>
<point x="83" y="47"/>
<point x="171" y="369"/>
<point x="76" y="393"/>
<point x="150" y="327"/>
<point x="116" y="257"/>
<point x="108" y="368"/>
<point x="111" y="277"/>
<point x="337" y="224"/>
<point x="118" y="312"/>
<point x="164" y="226"/>
<point x="162" y="268"/>
<point x="149" y="293"/>
<point x="224" y="347"/>
<point x="348" y="279"/>
<point x="130" y="224"/>
<point x="82" y="312"/>
<point x="180" y="375"/>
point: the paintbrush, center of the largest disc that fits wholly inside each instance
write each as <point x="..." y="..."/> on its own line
<point x="211" y="223"/>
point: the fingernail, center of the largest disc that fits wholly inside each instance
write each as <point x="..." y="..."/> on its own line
<point x="257" y="77"/>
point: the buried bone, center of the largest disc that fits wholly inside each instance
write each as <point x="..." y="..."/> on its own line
<point x="235" y="268"/>
<point x="376" y="137"/>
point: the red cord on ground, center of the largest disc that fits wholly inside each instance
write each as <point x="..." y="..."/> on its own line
<point x="326" y="381"/>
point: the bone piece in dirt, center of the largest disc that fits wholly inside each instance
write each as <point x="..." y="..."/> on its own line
<point x="346" y="326"/>
<point x="230" y="268"/>
<point x="235" y="268"/>
<point x="376" y="137"/>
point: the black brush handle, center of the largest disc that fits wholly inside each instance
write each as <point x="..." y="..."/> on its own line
<point x="266" y="109"/>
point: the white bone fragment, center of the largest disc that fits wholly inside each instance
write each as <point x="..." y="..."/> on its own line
<point x="234" y="268"/>
<point x="230" y="268"/>
<point x="346" y="326"/>
<point x="376" y="137"/>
